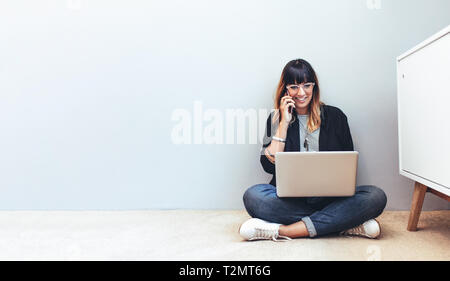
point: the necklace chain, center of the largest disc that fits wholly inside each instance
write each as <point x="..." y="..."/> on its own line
<point x="306" y="143"/>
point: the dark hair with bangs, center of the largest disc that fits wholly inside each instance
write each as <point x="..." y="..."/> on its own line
<point x="297" y="72"/>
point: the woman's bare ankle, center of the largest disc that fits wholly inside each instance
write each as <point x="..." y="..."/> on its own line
<point x="294" y="230"/>
<point x="282" y="230"/>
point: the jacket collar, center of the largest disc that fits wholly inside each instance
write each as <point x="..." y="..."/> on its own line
<point x="323" y="117"/>
<point x="293" y="138"/>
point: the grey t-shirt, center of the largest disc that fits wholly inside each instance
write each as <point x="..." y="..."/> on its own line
<point x="313" y="138"/>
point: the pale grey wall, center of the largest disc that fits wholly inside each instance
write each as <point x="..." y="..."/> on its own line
<point x="87" y="92"/>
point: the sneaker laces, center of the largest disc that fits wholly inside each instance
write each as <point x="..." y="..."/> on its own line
<point x="265" y="233"/>
<point x="358" y="230"/>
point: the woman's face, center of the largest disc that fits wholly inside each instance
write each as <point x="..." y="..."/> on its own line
<point x="302" y="95"/>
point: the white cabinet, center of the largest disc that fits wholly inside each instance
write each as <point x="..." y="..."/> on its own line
<point x="423" y="96"/>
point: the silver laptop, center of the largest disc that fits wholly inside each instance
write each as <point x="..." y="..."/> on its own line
<point x="311" y="174"/>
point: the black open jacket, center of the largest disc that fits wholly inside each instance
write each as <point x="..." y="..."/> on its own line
<point x="334" y="136"/>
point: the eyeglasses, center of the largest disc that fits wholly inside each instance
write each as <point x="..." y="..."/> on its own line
<point x="307" y="87"/>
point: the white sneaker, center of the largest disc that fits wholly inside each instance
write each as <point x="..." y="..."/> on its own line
<point x="256" y="229"/>
<point x="370" y="229"/>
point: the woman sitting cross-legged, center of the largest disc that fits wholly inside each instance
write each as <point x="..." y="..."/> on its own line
<point x="301" y="122"/>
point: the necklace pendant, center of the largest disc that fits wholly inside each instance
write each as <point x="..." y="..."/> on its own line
<point x="306" y="145"/>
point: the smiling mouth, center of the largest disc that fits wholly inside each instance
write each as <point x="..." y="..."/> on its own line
<point x="300" y="99"/>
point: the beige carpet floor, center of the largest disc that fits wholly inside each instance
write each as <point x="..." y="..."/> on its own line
<point x="203" y="235"/>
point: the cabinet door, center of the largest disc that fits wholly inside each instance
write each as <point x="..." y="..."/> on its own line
<point x="424" y="113"/>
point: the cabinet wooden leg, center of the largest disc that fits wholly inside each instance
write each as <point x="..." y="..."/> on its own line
<point x="416" y="206"/>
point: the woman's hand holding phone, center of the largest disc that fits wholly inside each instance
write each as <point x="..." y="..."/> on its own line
<point x="287" y="106"/>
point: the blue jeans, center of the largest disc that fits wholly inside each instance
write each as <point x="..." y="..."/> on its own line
<point x="321" y="215"/>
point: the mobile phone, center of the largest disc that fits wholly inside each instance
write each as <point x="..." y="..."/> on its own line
<point x="291" y="107"/>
